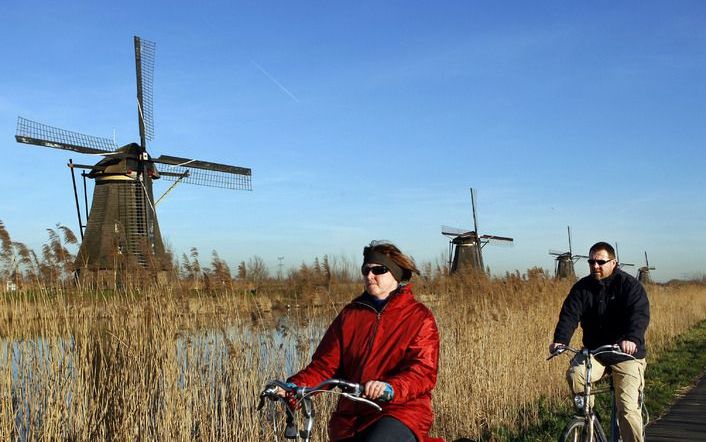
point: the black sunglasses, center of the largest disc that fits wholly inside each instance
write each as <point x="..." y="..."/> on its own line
<point x="377" y="270"/>
<point x="600" y="262"/>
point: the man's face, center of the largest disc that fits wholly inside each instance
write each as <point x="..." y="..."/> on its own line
<point x="598" y="270"/>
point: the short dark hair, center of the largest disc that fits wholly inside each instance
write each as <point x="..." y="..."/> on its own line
<point x="601" y="245"/>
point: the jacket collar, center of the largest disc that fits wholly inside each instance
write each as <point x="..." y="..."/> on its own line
<point x="606" y="282"/>
<point x="400" y="296"/>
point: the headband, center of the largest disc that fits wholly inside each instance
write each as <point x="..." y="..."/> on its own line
<point x="373" y="257"/>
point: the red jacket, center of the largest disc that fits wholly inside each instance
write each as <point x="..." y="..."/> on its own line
<point x="399" y="345"/>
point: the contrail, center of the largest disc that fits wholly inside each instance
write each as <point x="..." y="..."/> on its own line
<point x="286" y="91"/>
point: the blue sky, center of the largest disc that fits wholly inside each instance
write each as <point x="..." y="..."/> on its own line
<point x="371" y="120"/>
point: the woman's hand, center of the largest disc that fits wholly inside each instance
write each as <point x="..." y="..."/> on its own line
<point x="279" y="391"/>
<point x="377" y="389"/>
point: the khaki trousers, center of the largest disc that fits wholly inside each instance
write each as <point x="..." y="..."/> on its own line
<point x="628" y="380"/>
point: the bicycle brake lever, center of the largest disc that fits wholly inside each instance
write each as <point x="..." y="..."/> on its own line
<point x="290" y="429"/>
<point x="363" y="400"/>
<point x="557" y="352"/>
<point x="269" y="393"/>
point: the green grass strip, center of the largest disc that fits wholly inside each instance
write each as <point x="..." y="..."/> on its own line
<point x="666" y="378"/>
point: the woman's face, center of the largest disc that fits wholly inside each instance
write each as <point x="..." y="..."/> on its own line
<point x="380" y="285"/>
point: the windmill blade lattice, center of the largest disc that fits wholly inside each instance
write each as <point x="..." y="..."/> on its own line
<point x="144" y="69"/>
<point x="204" y="173"/>
<point x="497" y="238"/>
<point x="454" y="231"/>
<point x="31" y="132"/>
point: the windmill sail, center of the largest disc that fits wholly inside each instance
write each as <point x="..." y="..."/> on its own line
<point x="144" y="70"/>
<point x="204" y="173"/>
<point x="31" y="132"/>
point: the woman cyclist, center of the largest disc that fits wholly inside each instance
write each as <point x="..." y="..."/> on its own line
<point x="387" y="341"/>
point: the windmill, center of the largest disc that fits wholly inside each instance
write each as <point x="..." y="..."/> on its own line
<point x="122" y="227"/>
<point x="564" y="261"/>
<point x="643" y="273"/>
<point x="617" y="258"/>
<point x="465" y="246"/>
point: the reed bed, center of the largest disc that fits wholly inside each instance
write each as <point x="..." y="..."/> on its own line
<point x="162" y="363"/>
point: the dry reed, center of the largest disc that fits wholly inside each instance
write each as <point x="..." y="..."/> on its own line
<point x="164" y="364"/>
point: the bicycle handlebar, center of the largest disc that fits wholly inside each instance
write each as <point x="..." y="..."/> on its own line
<point x="349" y="390"/>
<point x="609" y="348"/>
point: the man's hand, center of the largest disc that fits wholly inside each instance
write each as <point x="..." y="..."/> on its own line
<point x="554" y="346"/>
<point x="628" y="347"/>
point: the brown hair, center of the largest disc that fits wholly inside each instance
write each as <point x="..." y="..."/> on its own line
<point x="391" y="251"/>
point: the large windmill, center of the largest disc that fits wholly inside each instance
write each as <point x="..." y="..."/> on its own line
<point x="122" y="227"/>
<point x="643" y="273"/>
<point x="564" y="261"/>
<point x="465" y="246"/>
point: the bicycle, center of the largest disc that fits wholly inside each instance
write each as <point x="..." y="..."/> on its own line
<point x="301" y="397"/>
<point x="586" y="426"/>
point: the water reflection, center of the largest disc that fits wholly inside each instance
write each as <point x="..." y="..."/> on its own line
<point x="68" y="382"/>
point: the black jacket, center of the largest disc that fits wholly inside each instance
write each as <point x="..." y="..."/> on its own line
<point x="609" y="310"/>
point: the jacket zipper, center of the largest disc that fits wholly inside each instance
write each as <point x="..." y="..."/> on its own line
<point x="371" y="340"/>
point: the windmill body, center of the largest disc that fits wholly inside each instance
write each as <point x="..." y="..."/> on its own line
<point x="467" y="252"/>
<point x="643" y="273"/>
<point x="465" y="246"/>
<point x="564" y="261"/>
<point x="564" y="266"/>
<point x="122" y="228"/>
<point x="122" y="221"/>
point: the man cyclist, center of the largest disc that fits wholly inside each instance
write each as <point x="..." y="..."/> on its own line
<point x="612" y="308"/>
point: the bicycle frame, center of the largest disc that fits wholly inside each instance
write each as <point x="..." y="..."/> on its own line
<point x="589" y="425"/>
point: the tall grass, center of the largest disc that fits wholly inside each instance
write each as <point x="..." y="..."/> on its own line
<point x="186" y="360"/>
<point x="162" y="364"/>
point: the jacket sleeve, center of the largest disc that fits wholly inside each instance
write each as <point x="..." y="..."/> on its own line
<point x="638" y="311"/>
<point x="326" y="359"/>
<point x="418" y="371"/>
<point x="569" y="317"/>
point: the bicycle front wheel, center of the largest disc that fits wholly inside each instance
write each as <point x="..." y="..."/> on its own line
<point x="576" y="431"/>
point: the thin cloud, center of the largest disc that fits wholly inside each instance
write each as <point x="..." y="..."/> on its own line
<point x="286" y="91"/>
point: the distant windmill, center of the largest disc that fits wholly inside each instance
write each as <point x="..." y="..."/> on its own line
<point x="617" y="258"/>
<point x="465" y="246"/>
<point x="643" y="273"/>
<point x="122" y="222"/>
<point x="564" y="261"/>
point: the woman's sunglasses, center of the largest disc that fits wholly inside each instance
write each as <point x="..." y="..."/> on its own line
<point x="600" y="262"/>
<point x="377" y="270"/>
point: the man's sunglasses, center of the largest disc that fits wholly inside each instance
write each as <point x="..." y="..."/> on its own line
<point x="377" y="270"/>
<point x="600" y="262"/>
